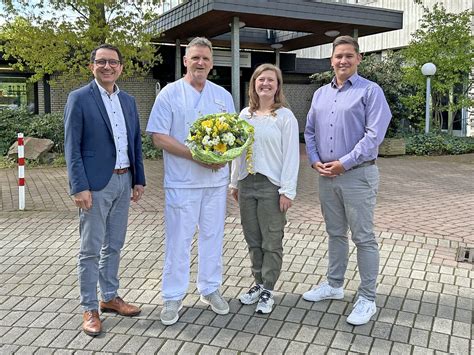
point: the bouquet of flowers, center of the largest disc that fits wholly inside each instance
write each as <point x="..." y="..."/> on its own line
<point x="219" y="138"/>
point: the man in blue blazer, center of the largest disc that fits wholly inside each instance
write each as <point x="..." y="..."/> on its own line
<point x="105" y="168"/>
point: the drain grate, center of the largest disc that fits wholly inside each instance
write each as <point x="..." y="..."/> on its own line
<point x="465" y="254"/>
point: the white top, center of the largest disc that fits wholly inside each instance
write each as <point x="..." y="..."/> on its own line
<point x="175" y="109"/>
<point x="117" y="121"/>
<point x="275" y="151"/>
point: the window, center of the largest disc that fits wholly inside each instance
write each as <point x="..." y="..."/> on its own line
<point x="15" y="91"/>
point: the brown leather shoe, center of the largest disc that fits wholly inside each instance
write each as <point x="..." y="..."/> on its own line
<point x="119" y="306"/>
<point x="91" y="324"/>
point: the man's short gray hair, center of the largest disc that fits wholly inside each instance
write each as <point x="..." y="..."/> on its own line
<point x="199" y="42"/>
<point x="345" y="40"/>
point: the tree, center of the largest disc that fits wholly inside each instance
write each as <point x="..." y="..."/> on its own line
<point x="445" y="40"/>
<point x="56" y="37"/>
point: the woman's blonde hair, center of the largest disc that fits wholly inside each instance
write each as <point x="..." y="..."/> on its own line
<point x="254" y="101"/>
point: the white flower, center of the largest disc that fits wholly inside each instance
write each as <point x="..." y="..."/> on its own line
<point x="228" y="138"/>
<point x="206" y="142"/>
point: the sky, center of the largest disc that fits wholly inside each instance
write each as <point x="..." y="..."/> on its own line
<point x="71" y="14"/>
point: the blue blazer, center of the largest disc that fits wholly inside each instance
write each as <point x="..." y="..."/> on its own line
<point x="88" y="140"/>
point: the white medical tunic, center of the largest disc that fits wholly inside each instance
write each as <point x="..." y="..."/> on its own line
<point x="175" y="109"/>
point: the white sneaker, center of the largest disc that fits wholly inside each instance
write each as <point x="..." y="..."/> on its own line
<point x="170" y="312"/>
<point x="324" y="292"/>
<point x="265" y="302"/>
<point x="217" y="302"/>
<point x="362" y="312"/>
<point x="252" y="295"/>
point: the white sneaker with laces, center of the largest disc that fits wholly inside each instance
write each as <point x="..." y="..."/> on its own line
<point x="218" y="304"/>
<point x="362" y="312"/>
<point x="265" y="302"/>
<point x="324" y="292"/>
<point x="252" y="295"/>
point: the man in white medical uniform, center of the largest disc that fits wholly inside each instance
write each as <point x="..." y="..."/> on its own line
<point x="195" y="193"/>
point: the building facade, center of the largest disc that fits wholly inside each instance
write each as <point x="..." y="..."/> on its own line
<point x="14" y="88"/>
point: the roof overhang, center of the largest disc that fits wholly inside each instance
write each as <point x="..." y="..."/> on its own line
<point x="294" y="24"/>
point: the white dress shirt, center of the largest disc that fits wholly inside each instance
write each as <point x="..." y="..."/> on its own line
<point x="117" y="121"/>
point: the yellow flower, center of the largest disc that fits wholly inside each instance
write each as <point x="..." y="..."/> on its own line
<point x="206" y="123"/>
<point x="222" y="126"/>
<point x="221" y="147"/>
<point x="197" y="137"/>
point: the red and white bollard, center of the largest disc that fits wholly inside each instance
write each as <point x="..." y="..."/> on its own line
<point x="21" y="172"/>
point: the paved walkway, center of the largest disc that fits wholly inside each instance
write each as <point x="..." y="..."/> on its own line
<point x="425" y="212"/>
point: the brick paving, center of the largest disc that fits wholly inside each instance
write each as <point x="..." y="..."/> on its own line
<point x="425" y="211"/>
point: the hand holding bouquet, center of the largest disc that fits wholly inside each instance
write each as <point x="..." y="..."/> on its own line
<point x="219" y="138"/>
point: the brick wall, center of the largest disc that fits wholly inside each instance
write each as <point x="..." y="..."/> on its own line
<point x="143" y="89"/>
<point x="299" y="98"/>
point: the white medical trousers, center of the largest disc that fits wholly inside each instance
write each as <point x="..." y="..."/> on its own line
<point x="186" y="209"/>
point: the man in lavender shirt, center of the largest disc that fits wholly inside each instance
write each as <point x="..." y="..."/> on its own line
<point x="345" y="126"/>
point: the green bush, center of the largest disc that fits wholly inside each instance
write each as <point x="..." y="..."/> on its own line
<point x="11" y="123"/>
<point x="48" y="126"/>
<point x="438" y="144"/>
<point x="59" y="161"/>
<point x="148" y="149"/>
<point x="6" y="163"/>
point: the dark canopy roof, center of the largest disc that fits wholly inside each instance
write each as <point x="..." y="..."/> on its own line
<point x="294" y="24"/>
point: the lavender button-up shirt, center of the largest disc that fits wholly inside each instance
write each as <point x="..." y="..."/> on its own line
<point x="348" y="123"/>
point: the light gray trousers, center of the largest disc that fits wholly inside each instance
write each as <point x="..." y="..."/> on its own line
<point x="348" y="201"/>
<point x="102" y="231"/>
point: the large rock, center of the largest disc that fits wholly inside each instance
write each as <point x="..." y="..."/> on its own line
<point x="35" y="148"/>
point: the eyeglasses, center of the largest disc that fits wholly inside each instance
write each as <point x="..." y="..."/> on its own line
<point x="113" y="63"/>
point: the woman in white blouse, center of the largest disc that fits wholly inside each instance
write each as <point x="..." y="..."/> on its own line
<point x="265" y="196"/>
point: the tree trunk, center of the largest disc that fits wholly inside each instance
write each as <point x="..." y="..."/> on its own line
<point x="450" y="111"/>
<point x="97" y="20"/>
<point x="435" y="114"/>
